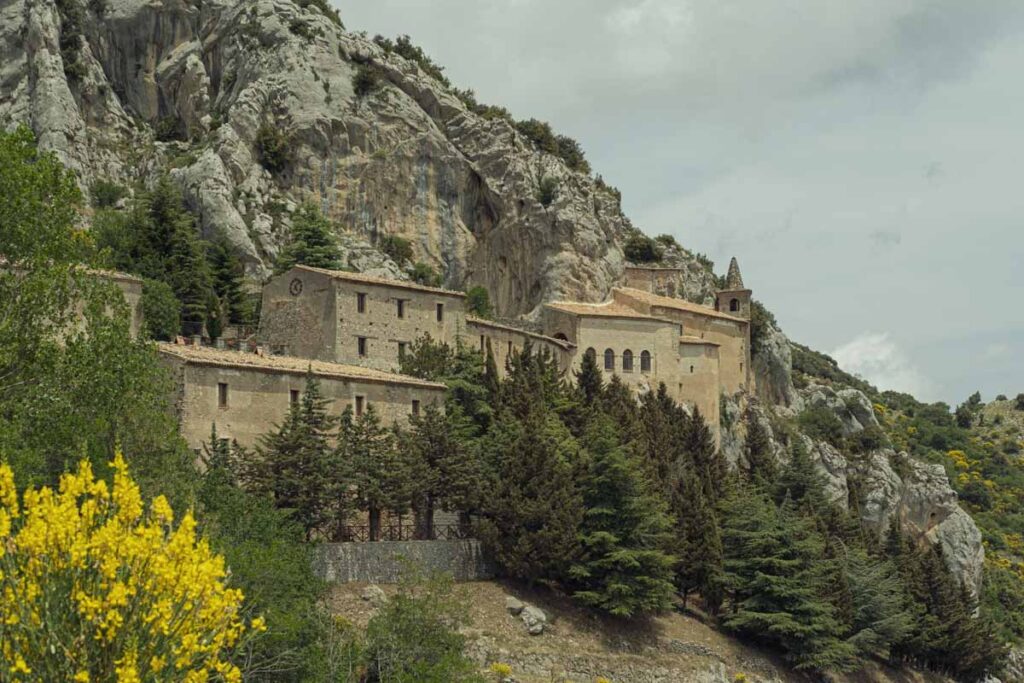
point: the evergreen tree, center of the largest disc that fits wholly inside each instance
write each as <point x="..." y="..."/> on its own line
<point x="660" y="437"/>
<point x="757" y="448"/>
<point x="589" y="381"/>
<point x="312" y="242"/>
<point x="228" y="276"/>
<point x="462" y="369"/>
<point x="882" y="614"/>
<point x="705" y="459"/>
<point x="698" y="543"/>
<point x="619" y="402"/>
<point x="292" y="464"/>
<point x="801" y="483"/>
<point x="775" y="584"/>
<point x="445" y="469"/>
<point x="532" y="509"/>
<point x="622" y="568"/>
<point x="380" y="476"/>
<point x="478" y="302"/>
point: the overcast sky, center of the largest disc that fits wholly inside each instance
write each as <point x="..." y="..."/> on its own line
<point x="862" y="159"/>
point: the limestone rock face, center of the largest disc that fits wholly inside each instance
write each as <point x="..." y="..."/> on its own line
<point x="185" y="86"/>
<point x="773" y="368"/>
<point x="851" y="406"/>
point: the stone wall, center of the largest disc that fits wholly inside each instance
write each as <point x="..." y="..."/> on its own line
<point x="384" y="561"/>
<point x="505" y="340"/>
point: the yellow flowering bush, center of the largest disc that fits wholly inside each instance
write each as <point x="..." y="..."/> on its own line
<point x="95" y="587"/>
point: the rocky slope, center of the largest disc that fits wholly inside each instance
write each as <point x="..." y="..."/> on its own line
<point x="406" y="159"/>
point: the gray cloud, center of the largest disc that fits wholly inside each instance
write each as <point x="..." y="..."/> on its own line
<point x="860" y="158"/>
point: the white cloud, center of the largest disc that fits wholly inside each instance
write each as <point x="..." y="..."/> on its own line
<point x="878" y="359"/>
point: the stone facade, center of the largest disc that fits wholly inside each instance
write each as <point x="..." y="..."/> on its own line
<point x="247" y="394"/>
<point x="131" y="289"/>
<point x="355" y="319"/>
<point x="504" y="340"/>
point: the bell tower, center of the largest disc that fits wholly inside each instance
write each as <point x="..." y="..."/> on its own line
<point x="734" y="298"/>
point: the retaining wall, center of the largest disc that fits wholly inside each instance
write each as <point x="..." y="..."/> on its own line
<point x="384" y="561"/>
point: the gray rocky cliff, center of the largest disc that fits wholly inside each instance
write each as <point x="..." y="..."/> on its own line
<point x="408" y="159"/>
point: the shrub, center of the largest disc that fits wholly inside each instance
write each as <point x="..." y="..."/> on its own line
<point x="571" y="152"/>
<point x="325" y="9"/>
<point x="547" y="191"/>
<point x="1001" y="397"/>
<point x="539" y="133"/>
<point x="424" y="274"/>
<point x="1018" y="402"/>
<point x="866" y="440"/>
<point x="667" y="241"/>
<point x="71" y="18"/>
<point x="403" y="47"/>
<point x="301" y="29"/>
<point x="414" y="638"/>
<point x="478" y="302"/>
<point x="609" y="189"/>
<point x="818" y="422"/>
<point x="113" y="584"/>
<point x="274" y="147"/>
<point x="760" y="320"/>
<point x="365" y="80"/>
<point x="641" y="249"/>
<point x="169" y="128"/>
<point x="161" y="310"/>
<point x="107" y="193"/>
<point x="398" y="249"/>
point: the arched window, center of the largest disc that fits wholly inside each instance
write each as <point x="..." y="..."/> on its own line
<point x="734" y="305"/>
<point x="591" y="352"/>
<point x="609" y="359"/>
<point x="645" y="361"/>
<point x="627" y="361"/>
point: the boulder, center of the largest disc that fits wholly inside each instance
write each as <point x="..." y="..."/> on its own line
<point x="514" y="606"/>
<point x="535" y="619"/>
<point x="374" y="595"/>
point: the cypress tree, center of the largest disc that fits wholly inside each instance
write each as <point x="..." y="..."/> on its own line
<point x="706" y="460"/>
<point x="622" y="568"/>
<point x="589" y="381"/>
<point x="619" y="402"/>
<point x="292" y="463"/>
<point x="228" y="276"/>
<point x="698" y="543"/>
<point x="380" y="476"/>
<point x="660" y="437"/>
<point x="532" y="511"/>
<point x="757" y="448"/>
<point x="445" y="469"/>
<point x="312" y="242"/>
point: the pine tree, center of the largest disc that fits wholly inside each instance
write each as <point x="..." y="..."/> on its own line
<point x="379" y="474"/>
<point x="660" y="437"/>
<point x="589" y="381"/>
<point x="800" y="482"/>
<point x="445" y="468"/>
<point x="619" y="402"/>
<point x="312" y="242"/>
<point x="757" y="448"/>
<point x="292" y="464"/>
<point x="622" y="569"/>
<point x="775" y="586"/>
<point x="698" y="543"/>
<point x="532" y="509"/>
<point x="882" y="614"/>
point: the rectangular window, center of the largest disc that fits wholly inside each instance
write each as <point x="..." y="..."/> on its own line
<point x="401" y="350"/>
<point x="361" y="345"/>
<point x="360" y="405"/>
<point x="482" y="346"/>
<point x="440" y="313"/>
<point x="415" y="407"/>
<point x="400" y="308"/>
<point x="294" y="398"/>
<point x="222" y="394"/>
<point x="361" y="302"/>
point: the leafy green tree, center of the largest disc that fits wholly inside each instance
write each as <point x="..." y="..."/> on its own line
<point x="161" y="310"/>
<point x="312" y="242"/>
<point x="462" y="369"/>
<point x="415" y="638"/>
<point x="293" y="465"/>
<point x="640" y="248"/>
<point x="270" y="562"/>
<point x="445" y="466"/>
<point x="532" y="509"/>
<point x="424" y="274"/>
<point x="478" y="302"/>
<point x="623" y="568"/>
<point x="380" y="475"/>
<point x="397" y="248"/>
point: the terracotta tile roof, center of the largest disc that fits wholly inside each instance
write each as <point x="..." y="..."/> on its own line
<point x="608" y="309"/>
<point x="473" y="320"/>
<point x="204" y="355"/>
<point x="372" y="280"/>
<point x="677" y="304"/>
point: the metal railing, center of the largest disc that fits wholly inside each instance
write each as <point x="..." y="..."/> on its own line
<point x="360" y="533"/>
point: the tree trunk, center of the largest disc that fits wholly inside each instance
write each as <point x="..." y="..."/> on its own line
<point x="374" y="515"/>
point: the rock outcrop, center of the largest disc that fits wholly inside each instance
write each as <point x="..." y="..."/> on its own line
<point x="186" y="86"/>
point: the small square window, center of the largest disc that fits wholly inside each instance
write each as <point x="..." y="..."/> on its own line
<point x="360" y="405"/>
<point x="361" y="345"/>
<point x="361" y="302"/>
<point x="400" y="308"/>
<point x="415" y="407"/>
<point x="222" y="394"/>
<point x="294" y="396"/>
<point x="440" y="312"/>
